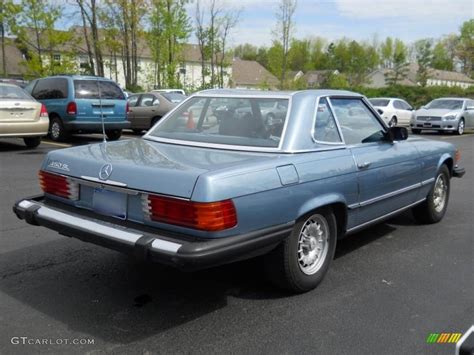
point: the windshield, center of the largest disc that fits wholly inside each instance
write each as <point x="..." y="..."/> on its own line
<point x="231" y="121"/>
<point x="89" y="89"/>
<point x="8" y="92"/>
<point x="173" y="97"/>
<point x="379" y="102"/>
<point x="445" y="104"/>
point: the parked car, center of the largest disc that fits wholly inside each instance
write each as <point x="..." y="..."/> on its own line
<point x="146" y="109"/>
<point x="22" y="116"/>
<point x="76" y="104"/>
<point x="18" y="82"/>
<point x="197" y="191"/>
<point x="395" y="112"/>
<point x="445" y="115"/>
<point x="176" y="91"/>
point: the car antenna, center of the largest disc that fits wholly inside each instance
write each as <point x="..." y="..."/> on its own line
<point x="104" y="140"/>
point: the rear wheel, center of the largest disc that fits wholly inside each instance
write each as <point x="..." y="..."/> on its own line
<point x="393" y="122"/>
<point x="56" y="129"/>
<point x="416" y="131"/>
<point x="32" y="142"/>
<point x="300" y="262"/>
<point x="432" y="210"/>
<point x="154" y="120"/>
<point x="114" y="134"/>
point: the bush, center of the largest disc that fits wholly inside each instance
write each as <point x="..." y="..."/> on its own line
<point x="417" y="96"/>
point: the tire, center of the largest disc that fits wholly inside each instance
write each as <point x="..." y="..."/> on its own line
<point x="154" y="120"/>
<point x="56" y="129"/>
<point x="416" y="131"/>
<point x="460" y="129"/>
<point x="289" y="265"/>
<point x="113" y="135"/>
<point x="393" y="122"/>
<point x="32" y="142"/>
<point x="431" y="210"/>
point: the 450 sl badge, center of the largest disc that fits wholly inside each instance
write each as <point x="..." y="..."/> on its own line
<point x="58" y="165"/>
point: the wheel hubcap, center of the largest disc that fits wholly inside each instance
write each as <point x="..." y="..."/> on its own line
<point x="313" y="244"/>
<point x="439" y="193"/>
<point x="55" y="130"/>
<point x="461" y="127"/>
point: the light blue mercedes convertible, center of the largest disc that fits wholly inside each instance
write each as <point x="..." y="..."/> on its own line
<point x="223" y="178"/>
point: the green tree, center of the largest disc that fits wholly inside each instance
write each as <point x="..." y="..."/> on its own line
<point x="275" y="56"/>
<point x="318" y="56"/>
<point x="465" y="47"/>
<point x="424" y="57"/>
<point x="299" y="55"/>
<point x="386" y="52"/>
<point x="8" y="12"/>
<point x="441" y="59"/>
<point x="399" y="70"/>
<point x="48" y="51"/>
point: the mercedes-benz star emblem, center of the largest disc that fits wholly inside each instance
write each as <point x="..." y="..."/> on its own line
<point x="105" y="171"/>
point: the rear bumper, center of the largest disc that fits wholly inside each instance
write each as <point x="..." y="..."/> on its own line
<point x="25" y="129"/>
<point x="94" y="126"/>
<point x="184" y="252"/>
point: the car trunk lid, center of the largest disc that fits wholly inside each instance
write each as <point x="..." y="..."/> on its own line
<point x="19" y="111"/>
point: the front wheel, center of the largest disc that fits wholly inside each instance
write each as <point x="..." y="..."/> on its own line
<point x="460" y="129"/>
<point x="113" y="135"/>
<point x="300" y="262"/>
<point x="32" y="142"/>
<point x="432" y="210"/>
<point x="56" y="129"/>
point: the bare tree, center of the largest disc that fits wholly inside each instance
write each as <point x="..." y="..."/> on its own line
<point x="229" y="21"/>
<point x="201" y="36"/>
<point x="284" y="31"/>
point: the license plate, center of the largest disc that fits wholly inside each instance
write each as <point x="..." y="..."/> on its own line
<point x="427" y="124"/>
<point x="110" y="203"/>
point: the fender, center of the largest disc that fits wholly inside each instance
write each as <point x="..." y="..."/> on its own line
<point x="443" y="159"/>
<point x="320" y="201"/>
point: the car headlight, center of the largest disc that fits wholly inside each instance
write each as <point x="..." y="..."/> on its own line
<point x="450" y="117"/>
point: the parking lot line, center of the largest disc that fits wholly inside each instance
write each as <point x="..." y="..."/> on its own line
<point x="464" y="135"/>
<point x="57" y="144"/>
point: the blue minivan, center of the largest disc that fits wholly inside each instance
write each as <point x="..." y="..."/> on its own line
<point x="76" y="104"/>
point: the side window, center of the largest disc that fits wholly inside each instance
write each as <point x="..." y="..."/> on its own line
<point x="398" y="105"/>
<point x="54" y="88"/>
<point x="325" y="129"/>
<point x="132" y="100"/>
<point x="406" y="106"/>
<point x="358" y="124"/>
<point x="470" y="104"/>
<point x="147" y="100"/>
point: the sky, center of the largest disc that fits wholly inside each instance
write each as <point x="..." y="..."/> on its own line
<point x="408" y="20"/>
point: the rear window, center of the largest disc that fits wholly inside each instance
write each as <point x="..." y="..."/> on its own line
<point x="89" y="89"/>
<point x="13" y="93"/>
<point x="379" y="102"/>
<point x="255" y="122"/>
<point x="173" y="97"/>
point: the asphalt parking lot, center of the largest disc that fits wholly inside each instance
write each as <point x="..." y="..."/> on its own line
<point x="389" y="287"/>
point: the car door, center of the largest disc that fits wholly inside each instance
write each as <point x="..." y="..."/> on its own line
<point x="145" y="111"/>
<point x="388" y="173"/>
<point x="400" y="112"/>
<point x="470" y="114"/>
<point x="132" y="103"/>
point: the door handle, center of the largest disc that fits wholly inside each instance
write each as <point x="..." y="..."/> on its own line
<point x="364" y="165"/>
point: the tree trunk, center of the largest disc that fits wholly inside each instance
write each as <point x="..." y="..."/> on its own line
<point x="86" y="38"/>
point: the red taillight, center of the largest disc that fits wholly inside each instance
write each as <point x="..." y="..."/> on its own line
<point x="71" y="108"/>
<point x="127" y="108"/>
<point x="457" y="156"/>
<point x="44" y="111"/>
<point x="58" y="185"/>
<point x="208" y="216"/>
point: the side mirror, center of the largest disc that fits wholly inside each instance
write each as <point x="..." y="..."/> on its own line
<point x="397" y="134"/>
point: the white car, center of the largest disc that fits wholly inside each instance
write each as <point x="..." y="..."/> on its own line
<point x="395" y="112"/>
